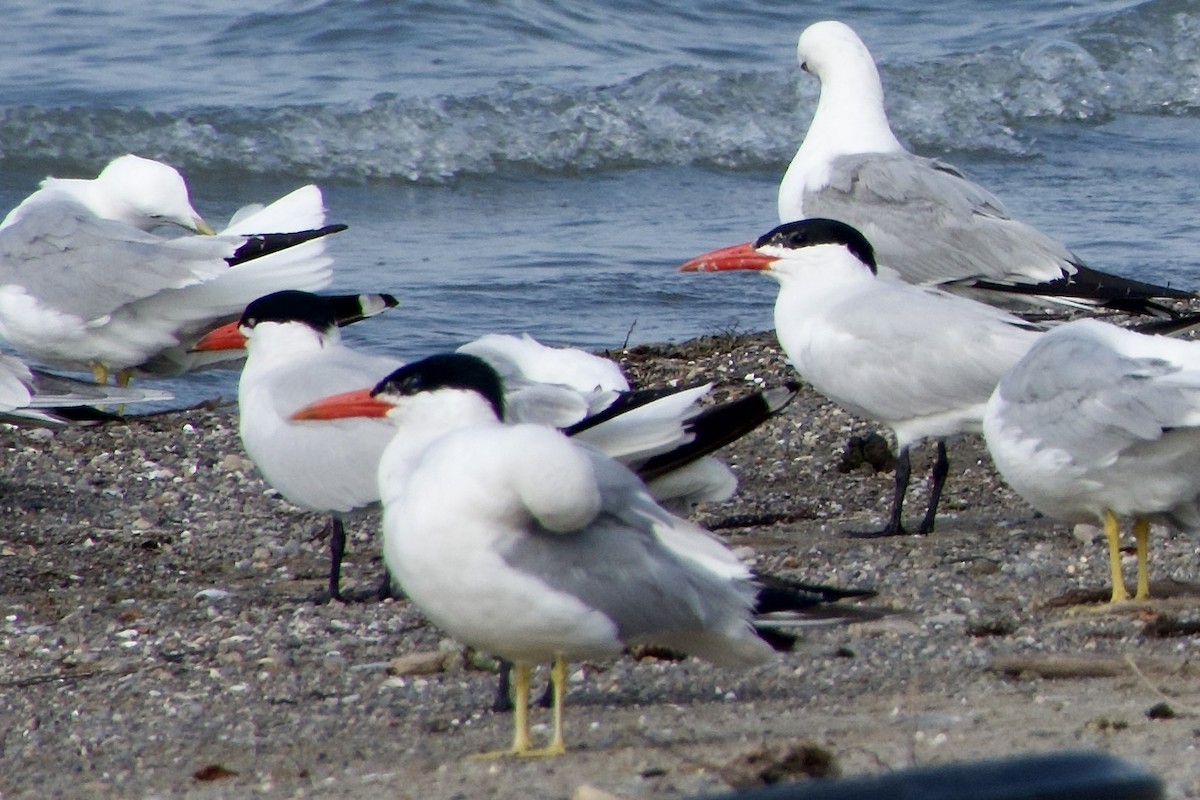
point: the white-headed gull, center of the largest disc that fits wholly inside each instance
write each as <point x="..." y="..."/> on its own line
<point x="1098" y="423"/>
<point x="528" y="544"/>
<point x="916" y="359"/>
<point x="84" y="285"/>
<point x="925" y="219"/>
<point x="139" y="192"/>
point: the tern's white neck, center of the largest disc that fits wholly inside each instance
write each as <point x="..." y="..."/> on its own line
<point x="274" y="343"/>
<point x="420" y="421"/>
<point x="813" y="280"/>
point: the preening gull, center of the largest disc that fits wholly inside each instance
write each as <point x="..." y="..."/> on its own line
<point x="530" y="545"/>
<point x="85" y="285"/>
<point x="925" y="219"/>
<point x="1098" y="423"/>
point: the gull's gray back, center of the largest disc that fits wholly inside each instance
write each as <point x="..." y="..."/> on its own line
<point x="931" y="224"/>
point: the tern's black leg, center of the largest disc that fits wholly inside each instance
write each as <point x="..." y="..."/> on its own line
<point x="894" y="526"/>
<point x="937" y="479"/>
<point x="503" y="703"/>
<point x="387" y="588"/>
<point x="337" y="549"/>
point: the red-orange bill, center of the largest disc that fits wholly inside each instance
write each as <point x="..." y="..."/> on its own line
<point x="358" y="403"/>
<point x="226" y="337"/>
<point x="739" y="256"/>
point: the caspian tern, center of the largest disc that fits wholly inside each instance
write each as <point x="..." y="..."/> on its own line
<point x="84" y="285"/>
<point x="295" y="355"/>
<point x="925" y="219"/>
<point x="917" y="359"/>
<point x="29" y="396"/>
<point x="1097" y="422"/>
<point x="526" y="543"/>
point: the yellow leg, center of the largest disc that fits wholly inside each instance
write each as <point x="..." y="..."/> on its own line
<point x="1113" y="532"/>
<point x="521" y="742"/>
<point x="100" y="373"/>
<point x="522" y="745"/>
<point x="124" y="376"/>
<point x="522" y="678"/>
<point x="558" y="678"/>
<point x="1141" y="532"/>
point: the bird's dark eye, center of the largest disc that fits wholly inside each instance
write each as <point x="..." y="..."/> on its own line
<point x="789" y="237"/>
<point x="410" y="385"/>
<point x="797" y="239"/>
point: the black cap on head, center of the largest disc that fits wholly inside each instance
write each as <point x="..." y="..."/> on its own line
<point x="817" y="230"/>
<point x="447" y="371"/>
<point x="291" y="306"/>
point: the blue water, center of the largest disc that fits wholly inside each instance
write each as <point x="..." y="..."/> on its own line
<point x="537" y="165"/>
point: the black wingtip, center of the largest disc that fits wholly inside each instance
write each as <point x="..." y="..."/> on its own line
<point x="624" y="403"/>
<point x="81" y="415"/>
<point x="777" y="593"/>
<point x="784" y="606"/>
<point x="718" y="426"/>
<point x="263" y="244"/>
<point x="1099" y="288"/>
<point x="1169" y="326"/>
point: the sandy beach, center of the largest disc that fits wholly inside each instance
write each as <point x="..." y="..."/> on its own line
<point x="163" y="635"/>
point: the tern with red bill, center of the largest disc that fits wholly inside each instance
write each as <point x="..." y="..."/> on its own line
<point x="530" y="545"/>
<point x="925" y="219"/>
<point x="86" y="284"/>
<point x="295" y="355"/>
<point x="916" y="359"/>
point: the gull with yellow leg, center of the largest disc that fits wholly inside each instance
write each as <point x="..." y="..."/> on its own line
<point x="530" y="545"/>
<point x="1098" y="423"/>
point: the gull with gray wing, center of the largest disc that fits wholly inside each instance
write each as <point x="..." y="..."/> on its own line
<point x="530" y="545"/>
<point x="86" y="284"/>
<point x="926" y="219"/>
<point x="1098" y="423"/>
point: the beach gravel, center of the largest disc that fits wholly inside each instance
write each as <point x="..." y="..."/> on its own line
<point x="162" y="633"/>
